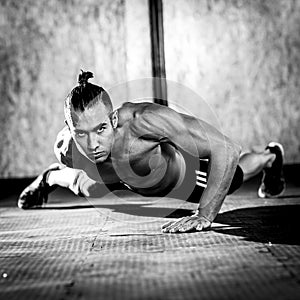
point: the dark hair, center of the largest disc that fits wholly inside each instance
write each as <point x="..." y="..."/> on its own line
<point x="86" y="94"/>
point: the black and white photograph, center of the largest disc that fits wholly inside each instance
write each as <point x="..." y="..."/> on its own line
<point x="150" y="149"/>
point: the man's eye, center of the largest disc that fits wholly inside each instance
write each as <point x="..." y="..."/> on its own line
<point x="100" y="130"/>
<point x="80" y="134"/>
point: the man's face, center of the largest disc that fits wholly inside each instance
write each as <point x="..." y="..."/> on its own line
<point x="93" y="132"/>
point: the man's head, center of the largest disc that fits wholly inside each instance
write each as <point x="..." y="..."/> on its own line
<point x="91" y="120"/>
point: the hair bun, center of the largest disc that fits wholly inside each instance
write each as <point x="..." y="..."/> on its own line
<point x="84" y="77"/>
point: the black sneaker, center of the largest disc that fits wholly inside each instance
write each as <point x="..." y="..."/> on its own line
<point x="36" y="194"/>
<point x="273" y="183"/>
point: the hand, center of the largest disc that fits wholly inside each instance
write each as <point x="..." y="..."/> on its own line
<point x="187" y="224"/>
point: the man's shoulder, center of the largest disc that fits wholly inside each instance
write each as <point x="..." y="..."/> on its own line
<point x="129" y="111"/>
<point x="147" y="118"/>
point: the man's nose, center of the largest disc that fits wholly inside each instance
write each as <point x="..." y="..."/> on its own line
<point x="93" y="141"/>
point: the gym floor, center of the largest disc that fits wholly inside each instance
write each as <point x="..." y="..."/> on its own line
<point x="113" y="248"/>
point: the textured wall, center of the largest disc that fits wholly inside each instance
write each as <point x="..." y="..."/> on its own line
<point x="243" y="58"/>
<point x="43" y="45"/>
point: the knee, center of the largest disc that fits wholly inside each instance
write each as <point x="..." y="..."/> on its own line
<point x="82" y="184"/>
<point x="63" y="147"/>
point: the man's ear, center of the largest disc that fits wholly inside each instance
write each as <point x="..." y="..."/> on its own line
<point x="114" y="119"/>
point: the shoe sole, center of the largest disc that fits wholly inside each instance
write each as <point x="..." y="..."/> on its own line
<point x="21" y="202"/>
<point x="262" y="195"/>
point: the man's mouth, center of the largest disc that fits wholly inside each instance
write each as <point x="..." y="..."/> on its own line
<point x="97" y="155"/>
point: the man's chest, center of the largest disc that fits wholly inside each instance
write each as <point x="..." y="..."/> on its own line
<point x="135" y="154"/>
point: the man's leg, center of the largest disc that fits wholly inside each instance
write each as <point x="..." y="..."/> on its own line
<point x="68" y="178"/>
<point x="270" y="162"/>
<point x="76" y="180"/>
<point x="36" y="194"/>
<point x="253" y="163"/>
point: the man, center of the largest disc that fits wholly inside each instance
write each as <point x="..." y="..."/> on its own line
<point x="152" y="150"/>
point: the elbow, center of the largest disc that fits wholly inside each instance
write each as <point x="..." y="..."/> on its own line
<point x="237" y="149"/>
<point x="234" y="151"/>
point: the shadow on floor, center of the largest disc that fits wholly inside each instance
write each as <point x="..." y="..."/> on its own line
<point x="131" y="209"/>
<point x="275" y="224"/>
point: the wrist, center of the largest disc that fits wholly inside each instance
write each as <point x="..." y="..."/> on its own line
<point x="199" y="214"/>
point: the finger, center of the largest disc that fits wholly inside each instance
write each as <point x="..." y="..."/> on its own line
<point x="168" y="229"/>
<point x="187" y="225"/>
<point x="174" y="229"/>
<point x="199" y="227"/>
<point x="167" y="224"/>
<point x="187" y="228"/>
<point x="171" y="227"/>
<point x="178" y="226"/>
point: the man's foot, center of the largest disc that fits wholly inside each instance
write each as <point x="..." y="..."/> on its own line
<point x="36" y="194"/>
<point x="273" y="183"/>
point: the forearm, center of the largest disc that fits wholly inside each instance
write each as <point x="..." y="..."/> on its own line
<point x="221" y="171"/>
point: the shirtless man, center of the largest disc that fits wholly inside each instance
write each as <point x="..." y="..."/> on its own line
<point x="151" y="150"/>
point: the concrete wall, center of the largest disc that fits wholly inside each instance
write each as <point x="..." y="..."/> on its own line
<point x="242" y="57"/>
<point x="43" y="46"/>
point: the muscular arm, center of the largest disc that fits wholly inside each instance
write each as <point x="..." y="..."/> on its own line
<point x="200" y="140"/>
